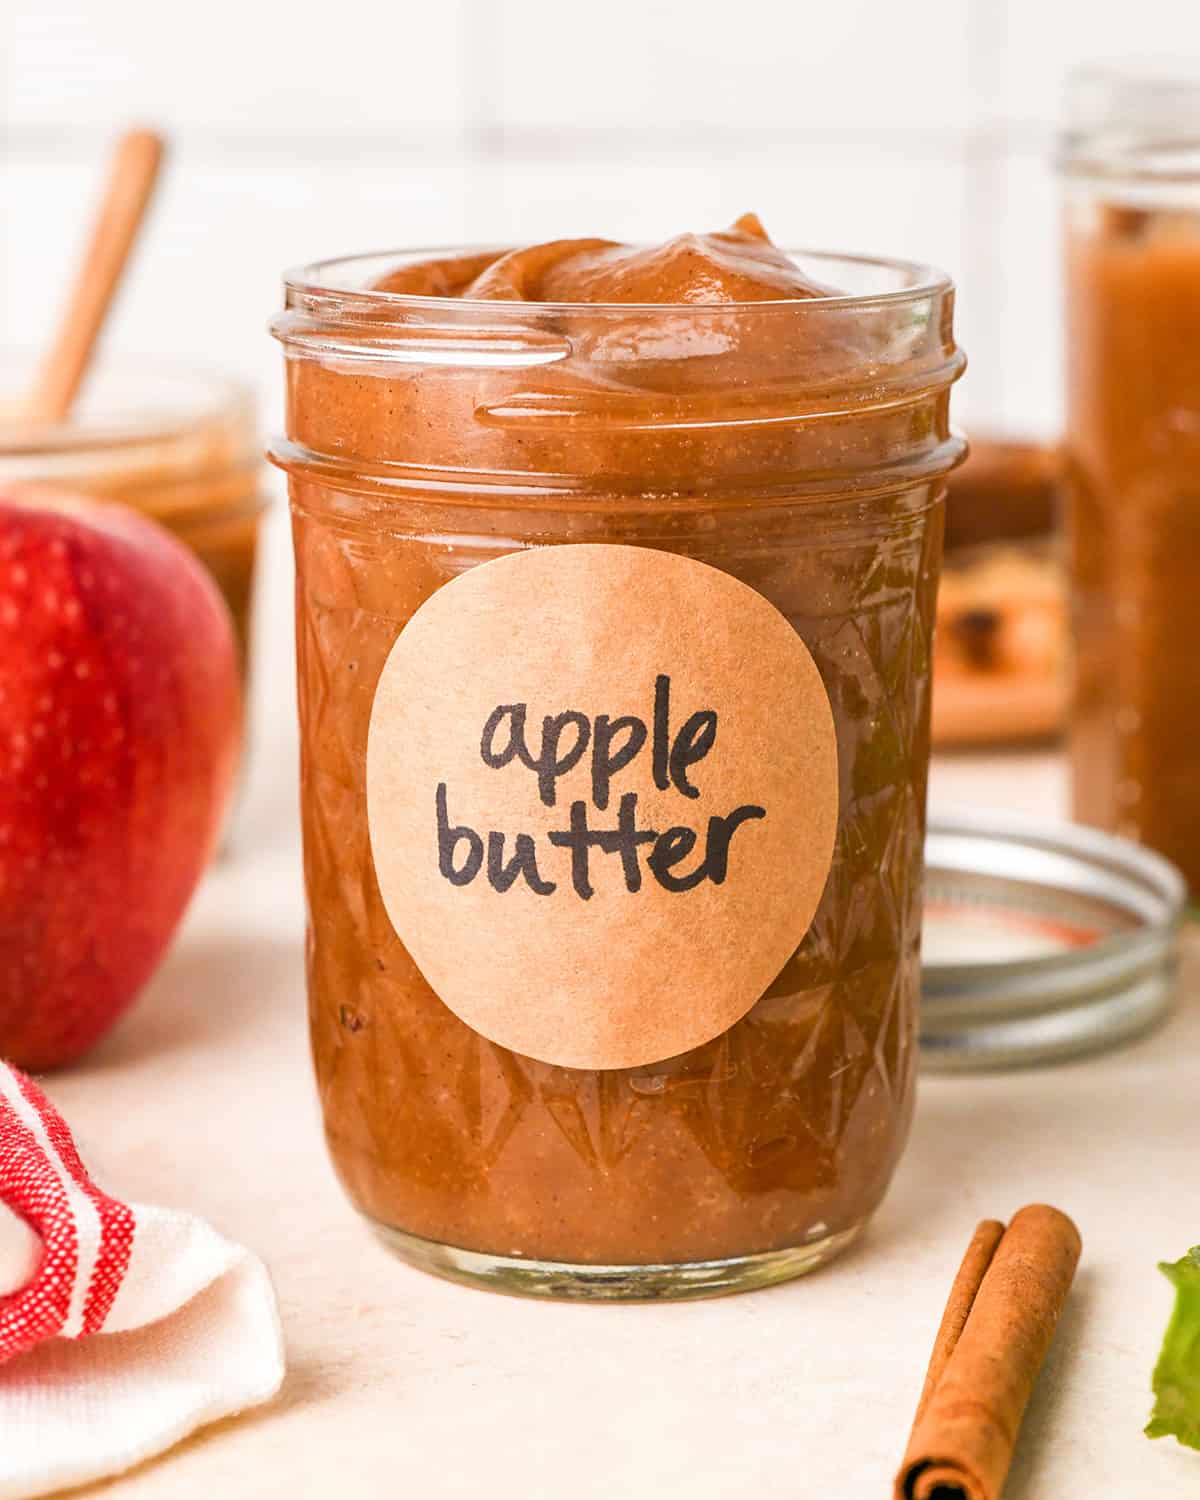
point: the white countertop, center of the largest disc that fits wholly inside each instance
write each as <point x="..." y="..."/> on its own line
<point x="403" y="1385"/>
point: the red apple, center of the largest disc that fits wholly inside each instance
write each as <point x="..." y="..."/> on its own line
<point x="120" y="720"/>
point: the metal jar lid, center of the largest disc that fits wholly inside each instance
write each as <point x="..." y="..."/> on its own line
<point x="1041" y="940"/>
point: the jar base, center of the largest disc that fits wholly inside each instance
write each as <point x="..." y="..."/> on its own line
<point x="563" y="1281"/>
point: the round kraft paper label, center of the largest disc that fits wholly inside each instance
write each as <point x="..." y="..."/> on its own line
<point x="602" y="799"/>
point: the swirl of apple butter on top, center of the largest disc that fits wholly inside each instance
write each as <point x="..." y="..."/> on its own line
<point x="784" y="1131"/>
<point x="733" y="265"/>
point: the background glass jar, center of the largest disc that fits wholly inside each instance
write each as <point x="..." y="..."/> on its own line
<point x="180" y="446"/>
<point x="1132" y="205"/>
<point x="800" y="446"/>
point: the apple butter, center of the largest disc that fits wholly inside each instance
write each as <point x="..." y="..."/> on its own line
<point x="1133" y="484"/>
<point x="782" y="419"/>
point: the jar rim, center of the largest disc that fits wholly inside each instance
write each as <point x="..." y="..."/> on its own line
<point x="189" y="399"/>
<point x="1132" y="120"/>
<point x="334" y="318"/>
<point x="1123" y="156"/>
<point x="327" y="278"/>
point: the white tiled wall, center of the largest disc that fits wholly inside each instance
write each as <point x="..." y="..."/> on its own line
<point x="299" y="131"/>
<point x="733" y="65"/>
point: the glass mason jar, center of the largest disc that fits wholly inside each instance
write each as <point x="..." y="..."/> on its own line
<point x="180" y="446"/>
<point x="1131" y="181"/>
<point x="800" y="447"/>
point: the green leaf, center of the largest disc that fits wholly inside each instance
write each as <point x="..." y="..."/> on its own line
<point x="1177" y="1374"/>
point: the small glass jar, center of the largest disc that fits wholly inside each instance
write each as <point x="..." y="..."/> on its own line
<point x="179" y="446"/>
<point x="801" y="447"/>
<point x="1131" y="177"/>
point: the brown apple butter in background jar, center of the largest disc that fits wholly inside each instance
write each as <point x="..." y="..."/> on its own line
<point x="714" y="398"/>
<point x="1133" y="451"/>
<point x="179" y="446"/>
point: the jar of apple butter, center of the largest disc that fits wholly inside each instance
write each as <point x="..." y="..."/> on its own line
<point x="1132" y="201"/>
<point x="512" y="468"/>
<point x="180" y="446"/>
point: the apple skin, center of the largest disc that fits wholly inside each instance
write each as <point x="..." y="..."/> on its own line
<point x="120" y="724"/>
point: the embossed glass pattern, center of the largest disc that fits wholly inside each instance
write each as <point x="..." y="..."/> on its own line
<point x="805" y="458"/>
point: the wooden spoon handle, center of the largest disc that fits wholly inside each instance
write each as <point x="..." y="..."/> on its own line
<point x="131" y="180"/>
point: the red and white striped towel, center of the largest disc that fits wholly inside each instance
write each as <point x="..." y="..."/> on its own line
<point x="122" y="1328"/>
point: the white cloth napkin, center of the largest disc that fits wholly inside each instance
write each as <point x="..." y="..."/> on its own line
<point x="122" y="1328"/>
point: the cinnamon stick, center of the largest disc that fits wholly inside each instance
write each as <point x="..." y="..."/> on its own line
<point x="959" y="1304"/>
<point x="998" y="1325"/>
